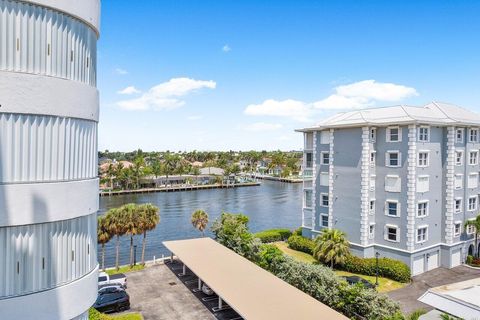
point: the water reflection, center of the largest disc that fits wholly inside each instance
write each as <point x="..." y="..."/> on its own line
<point x="271" y="205"/>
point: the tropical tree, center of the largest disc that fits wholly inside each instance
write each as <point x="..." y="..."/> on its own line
<point x="137" y="170"/>
<point x="115" y="224"/>
<point x="157" y="169"/>
<point x="149" y="219"/>
<point x="110" y="174"/>
<point x="476" y="225"/>
<point x="200" y="220"/>
<point x="103" y="236"/>
<point x="331" y="246"/>
<point x="131" y="216"/>
<point x="170" y="163"/>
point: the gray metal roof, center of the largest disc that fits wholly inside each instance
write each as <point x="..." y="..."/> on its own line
<point x="437" y="113"/>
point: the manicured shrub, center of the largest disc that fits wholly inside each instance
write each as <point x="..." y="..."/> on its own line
<point x="273" y="235"/>
<point x="388" y="268"/>
<point x="476" y="262"/>
<point x="298" y="231"/>
<point x="469" y="259"/>
<point x="321" y="283"/>
<point x="301" y="244"/>
<point x="266" y="254"/>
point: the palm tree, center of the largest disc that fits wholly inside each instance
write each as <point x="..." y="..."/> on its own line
<point x="200" y="220"/>
<point x="149" y="219"/>
<point x="476" y="225"/>
<point x="331" y="246"/>
<point x="110" y="173"/>
<point x="103" y="236"/>
<point x="137" y="170"/>
<point x="170" y="163"/>
<point x="130" y="213"/>
<point x="115" y="224"/>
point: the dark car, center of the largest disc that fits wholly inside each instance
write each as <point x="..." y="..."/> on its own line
<point x="110" y="288"/>
<point x="355" y="279"/>
<point x="112" y="301"/>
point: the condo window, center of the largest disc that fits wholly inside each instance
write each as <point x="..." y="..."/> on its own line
<point x="392" y="233"/>
<point x="371" y="231"/>
<point x="308" y="198"/>
<point x="473" y="136"/>
<point x="458" y="158"/>
<point x="373" y="135"/>
<point x="423" y="159"/>
<point x="423" y="183"/>
<point x="392" y="208"/>
<point x="422" y="209"/>
<point x="309" y="140"/>
<point x="324" y="219"/>
<point x="459" y="135"/>
<point x="325" y="158"/>
<point x="423" y="134"/>
<point x="324" y="179"/>
<point x="394" y="134"/>
<point x="458" y="181"/>
<point x="422" y="234"/>
<point x="324" y="137"/>
<point x="458" y="205"/>
<point x="309" y="159"/>
<point x="472" y="180"/>
<point x="393" y="183"/>
<point x="393" y="159"/>
<point x="473" y="157"/>
<point x="372" y="182"/>
<point x="470" y="229"/>
<point x="472" y="203"/>
<point x="457" y="228"/>
<point x="324" y="200"/>
<point x="372" y="158"/>
<point x="372" y="207"/>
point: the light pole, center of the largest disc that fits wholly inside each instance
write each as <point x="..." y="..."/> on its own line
<point x="377" y="255"/>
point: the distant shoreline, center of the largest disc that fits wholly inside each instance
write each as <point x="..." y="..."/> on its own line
<point x="179" y="188"/>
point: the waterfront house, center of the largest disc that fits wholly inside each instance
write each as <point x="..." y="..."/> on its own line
<point x="400" y="181"/>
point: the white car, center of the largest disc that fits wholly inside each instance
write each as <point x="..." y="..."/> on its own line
<point x="119" y="278"/>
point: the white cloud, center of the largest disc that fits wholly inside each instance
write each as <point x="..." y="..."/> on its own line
<point x="297" y="110"/>
<point x="226" y="48"/>
<point x="262" y="126"/>
<point x="356" y="95"/>
<point x="166" y="95"/>
<point x="194" y="118"/>
<point x="129" y="90"/>
<point x="121" y="71"/>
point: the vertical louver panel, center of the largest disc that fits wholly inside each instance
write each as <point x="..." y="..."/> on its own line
<point x="45" y="148"/>
<point x="38" y="40"/>
<point x="43" y="256"/>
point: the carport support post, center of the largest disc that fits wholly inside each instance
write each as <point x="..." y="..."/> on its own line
<point x="220" y="303"/>
<point x="171" y="257"/>
<point x="184" y="270"/>
<point x="199" y="284"/>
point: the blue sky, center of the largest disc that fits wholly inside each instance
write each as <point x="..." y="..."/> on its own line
<point x="220" y="75"/>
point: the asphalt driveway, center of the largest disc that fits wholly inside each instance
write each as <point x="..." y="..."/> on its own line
<point x="407" y="296"/>
<point x="157" y="293"/>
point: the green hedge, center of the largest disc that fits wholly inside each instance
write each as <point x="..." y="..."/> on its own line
<point x="301" y="244"/>
<point x="273" y="235"/>
<point x="388" y="268"/>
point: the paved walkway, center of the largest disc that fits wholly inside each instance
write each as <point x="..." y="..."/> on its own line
<point x="407" y="296"/>
<point x="156" y="293"/>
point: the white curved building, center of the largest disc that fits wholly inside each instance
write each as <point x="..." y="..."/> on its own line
<point x="48" y="158"/>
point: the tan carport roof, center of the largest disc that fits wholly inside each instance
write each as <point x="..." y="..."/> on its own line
<point x="251" y="291"/>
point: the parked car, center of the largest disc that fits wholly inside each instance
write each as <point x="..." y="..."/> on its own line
<point x="108" y="288"/>
<point x="206" y="289"/>
<point x="356" y="279"/>
<point x="104" y="278"/>
<point x="115" y="301"/>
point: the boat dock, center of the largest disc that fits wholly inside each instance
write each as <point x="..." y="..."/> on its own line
<point x="176" y="188"/>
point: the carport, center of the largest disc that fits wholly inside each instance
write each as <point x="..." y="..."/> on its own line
<point x="251" y="291"/>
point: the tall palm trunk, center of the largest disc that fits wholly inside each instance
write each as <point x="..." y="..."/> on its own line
<point x="103" y="256"/>
<point x="144" y="243"/>
<point x="117" y="252"/>
<point x="131" y="251"/>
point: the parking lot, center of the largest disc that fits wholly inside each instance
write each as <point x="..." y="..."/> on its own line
<point x="157" y="293"/>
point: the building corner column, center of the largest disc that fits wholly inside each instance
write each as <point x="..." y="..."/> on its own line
<point x="330" y="179"/>
<point x="450" y="193"/>
<point x="314" y="178"/>
<point x="411" y="186"/>
<point x="365" y="188"/>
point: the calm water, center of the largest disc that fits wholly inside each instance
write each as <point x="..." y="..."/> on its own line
<point x="271" y="205"/>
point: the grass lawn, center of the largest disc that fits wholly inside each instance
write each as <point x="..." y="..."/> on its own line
<point x="300" y="256"/>
<point x="128" y="316"/>
<point x="385" y="284"/>
<point x="95" y="315"/>
<point x="125" y="269"/>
